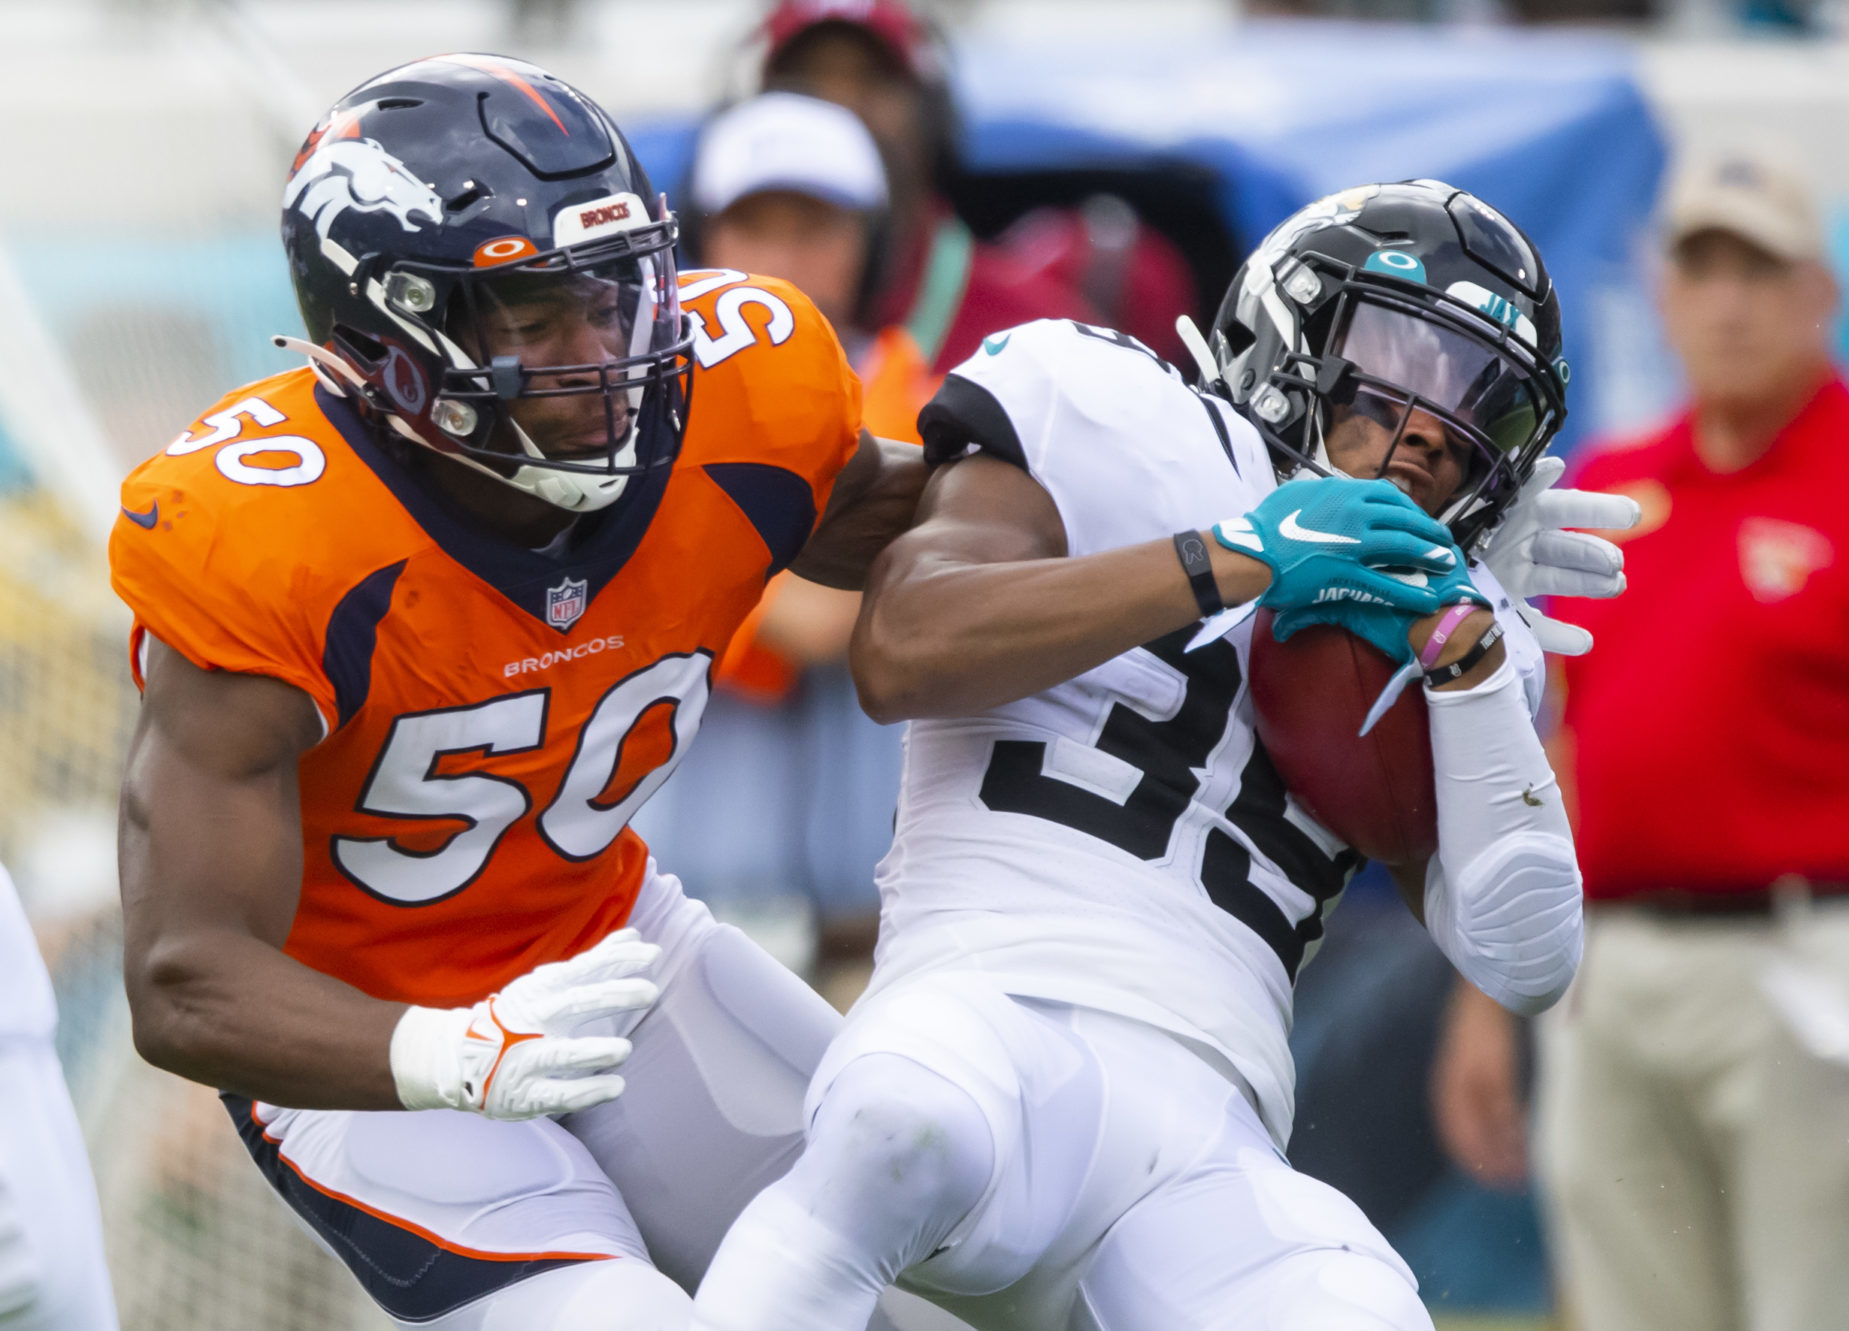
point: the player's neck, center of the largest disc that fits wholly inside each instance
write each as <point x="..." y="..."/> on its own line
<point x="507" y="512"/>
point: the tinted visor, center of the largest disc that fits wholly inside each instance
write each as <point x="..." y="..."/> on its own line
<point x="1469" y="380"/>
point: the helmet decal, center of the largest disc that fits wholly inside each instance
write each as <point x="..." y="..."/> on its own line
<point x="1499" y="308"/>
<point x="580" y="222"/>
<point x="1343" y="205"/>
<point x="1396" y="263"/>
<point x="357" y="173"/>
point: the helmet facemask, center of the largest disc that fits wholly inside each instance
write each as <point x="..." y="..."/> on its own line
<point x="564" y="373"/>
<point x="1389" y="356"/>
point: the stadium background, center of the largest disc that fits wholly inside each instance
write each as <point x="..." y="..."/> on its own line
<point x="140" y="276"/>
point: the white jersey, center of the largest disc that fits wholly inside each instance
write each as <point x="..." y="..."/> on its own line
<point x="1120" y="841"/>
<point x="26" y="1006"/>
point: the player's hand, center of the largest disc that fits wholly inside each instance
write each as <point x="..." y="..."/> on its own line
<point x="1386" y="627"/>
<point x="514" y="1055"/>
<point x="1476" y="1099"/>
<point x="1329" y="540"/>
<point x="1532" y="555"/>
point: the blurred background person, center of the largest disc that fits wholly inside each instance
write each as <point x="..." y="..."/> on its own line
<point x="940" y="290"/>
<point x="937" y="283"/>
<point x="794" y="187"/>
<point x="52" y="1275"/>
<point x="1692" y="1090"/>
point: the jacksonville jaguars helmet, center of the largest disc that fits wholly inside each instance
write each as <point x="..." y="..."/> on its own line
<point x="1390" y="299"/>
<point x="480" y="259"/>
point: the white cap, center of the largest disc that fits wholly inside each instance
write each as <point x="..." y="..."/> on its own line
<point x="783" y="141"/>
<point x="1756" y="195"/>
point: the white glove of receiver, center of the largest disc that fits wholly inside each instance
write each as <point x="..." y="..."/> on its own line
<point x="1531" y="555"/>
<point x="513" y="1055"/>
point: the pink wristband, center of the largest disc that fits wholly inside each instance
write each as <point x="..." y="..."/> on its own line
<point x="1435" y="644"/>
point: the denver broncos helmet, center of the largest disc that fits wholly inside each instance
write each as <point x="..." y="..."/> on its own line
<point x="479" y="257"/>
<point x="1391" y="298"/>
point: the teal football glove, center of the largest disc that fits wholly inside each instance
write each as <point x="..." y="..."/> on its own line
<point x="1328" y="540"/>
<point x="1382" y="625"/>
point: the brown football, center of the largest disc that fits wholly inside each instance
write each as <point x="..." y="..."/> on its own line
<point x="1310" y="696"/>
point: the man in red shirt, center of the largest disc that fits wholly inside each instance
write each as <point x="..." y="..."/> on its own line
<point x="1693" y="1091"/>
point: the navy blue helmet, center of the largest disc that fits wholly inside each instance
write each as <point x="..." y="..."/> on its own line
<point x="1390" y="299"/>
<point x="477" y="247"/>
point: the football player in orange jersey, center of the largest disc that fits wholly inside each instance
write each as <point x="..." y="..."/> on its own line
<point x="418" y="627"/>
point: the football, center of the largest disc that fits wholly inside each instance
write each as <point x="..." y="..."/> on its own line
<point x="1310" y="696"/>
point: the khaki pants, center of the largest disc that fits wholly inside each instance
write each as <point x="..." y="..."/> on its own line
<point x="1694" y="1155"/>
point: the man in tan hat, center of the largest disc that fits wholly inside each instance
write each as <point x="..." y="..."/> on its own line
<point x="1692" y="1100"/>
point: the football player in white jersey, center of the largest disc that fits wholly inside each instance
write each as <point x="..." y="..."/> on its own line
<point x="1064" y="1100"/>
<point x="52" y="1276"/>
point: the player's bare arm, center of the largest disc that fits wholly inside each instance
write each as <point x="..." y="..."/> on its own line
<point x="211" y="861"/>
<point x="978" y="605"/>
<point x="981" y="606"/>
<point x="873" y="501"/>
<point x="211" y="855"/>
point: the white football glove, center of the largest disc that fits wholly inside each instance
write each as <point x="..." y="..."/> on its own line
<point x="513" y="1055"/>
<point x="1531" y="555"/>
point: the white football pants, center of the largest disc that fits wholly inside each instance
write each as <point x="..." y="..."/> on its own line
<point x="454" y="1222"/>
<point x="52" y="1276"/>
<point x="1032" y="1166"/>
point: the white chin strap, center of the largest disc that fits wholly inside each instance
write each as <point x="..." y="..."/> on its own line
<point x="575" y="492"/>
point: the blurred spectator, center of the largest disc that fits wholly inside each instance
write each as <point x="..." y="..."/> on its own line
<point x="794" y="187"/>
<point x="52" y="1276"/>
<point x="1693" y="1087"/>
<point x="1130" y="273"/>
<point x="936" y="283"/>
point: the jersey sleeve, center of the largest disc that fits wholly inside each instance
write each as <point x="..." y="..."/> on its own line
<point x="776" y="408"/>
<point x="1124" y="447"/>
<point x="210" y="568"/>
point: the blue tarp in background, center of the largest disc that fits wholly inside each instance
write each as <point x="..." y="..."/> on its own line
<point x="1551" y="128"/>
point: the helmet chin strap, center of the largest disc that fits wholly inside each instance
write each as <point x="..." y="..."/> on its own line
<point x="575" y="492"/>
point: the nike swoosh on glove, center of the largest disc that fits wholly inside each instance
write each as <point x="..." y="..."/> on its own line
<point x="1532" y="554"/>
<point x="1330" y="540"/>
<point x="513" y="1055"/>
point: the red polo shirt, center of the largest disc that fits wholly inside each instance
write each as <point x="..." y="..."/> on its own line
<point x="1710" y="722"/>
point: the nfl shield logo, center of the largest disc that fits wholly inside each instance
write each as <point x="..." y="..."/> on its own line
<point x="565" y="602"/>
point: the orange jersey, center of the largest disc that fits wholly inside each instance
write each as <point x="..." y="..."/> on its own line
<point x="494" y="714"/>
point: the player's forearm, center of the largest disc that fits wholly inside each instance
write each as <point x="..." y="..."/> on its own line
<point x="864" y="515"/>
<point x="230" y="1011"/>
<point x="944" y="637"/>
<point x="1504" y="900"/>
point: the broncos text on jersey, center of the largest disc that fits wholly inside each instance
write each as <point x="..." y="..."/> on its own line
<point x="494" y="715"/>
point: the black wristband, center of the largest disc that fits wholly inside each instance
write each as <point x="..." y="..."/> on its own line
<point x="1191" y="549"/>
<point x="1444" y="674"/>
